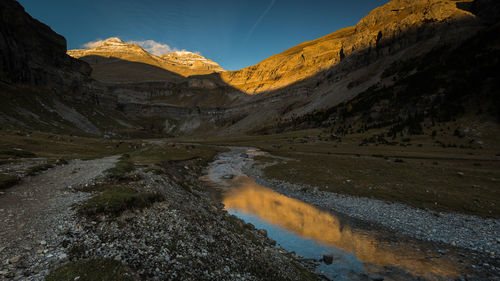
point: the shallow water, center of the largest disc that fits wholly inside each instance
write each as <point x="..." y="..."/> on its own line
<point x="311" y="232"/>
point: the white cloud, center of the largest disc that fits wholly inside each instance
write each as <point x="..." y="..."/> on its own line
<point x="93" y="44"/>
<point x="154" y="47"/>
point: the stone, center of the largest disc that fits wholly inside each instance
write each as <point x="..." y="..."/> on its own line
<point x="28" y="44"/>
<point x="328" y="259"/>
<point x="15" y="259"/>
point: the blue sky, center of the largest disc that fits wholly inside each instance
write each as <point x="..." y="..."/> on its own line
<point x="234" y="33"/>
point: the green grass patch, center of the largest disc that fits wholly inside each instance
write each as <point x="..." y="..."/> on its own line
<point x="53" y="146"/>
<point x="7" y="181"/>
<point x="121" y="169"/>
<point x="456" y="185"/>
<point x="114" y="200"/>
<point x="16" y="153"/>
<point x="175" y="152"/>
<point x="91" y="270"/>
<point x="38" y="169"/>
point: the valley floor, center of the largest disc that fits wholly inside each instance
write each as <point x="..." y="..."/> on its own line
<point x="145" y="215"/>
<point x="471" y="241"/>
<point x="140" y="216"/>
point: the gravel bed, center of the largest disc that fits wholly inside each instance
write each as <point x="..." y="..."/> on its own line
<point x="185" y="237"/>
<point x="480" y="235"/>
<point x="36" y="213"/>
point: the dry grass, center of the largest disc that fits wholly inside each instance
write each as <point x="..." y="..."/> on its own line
<point x="91" y="270"/>
<point x="417" y="172"/>
<point x="7" y="181"/>
<point x="55" y="146"/>
<point x="114" y="200"/>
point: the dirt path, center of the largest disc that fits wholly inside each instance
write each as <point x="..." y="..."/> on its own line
<point x="35" y="212"/>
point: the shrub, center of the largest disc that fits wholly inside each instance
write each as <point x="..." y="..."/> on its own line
<point x="7" y="181"/>
<point x="38" y="168"/>
<point x="120" y="170"/>
<point x="16" y="153"/>
<point x="115" y="200"/>
<point x="91" y="270"/>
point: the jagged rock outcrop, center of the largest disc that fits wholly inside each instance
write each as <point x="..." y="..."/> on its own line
<point x="31" y="53"/>
<point x="386" y="30"/>
<point x="116" y="61"/>
<point x="192" y="61"/>
<point x="43" y="88"/>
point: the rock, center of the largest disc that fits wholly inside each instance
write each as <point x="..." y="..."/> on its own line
<point x="228" y="177"/>
<point x="383" y="31"/>
<point x="34" y="52"/>
<point x="178" y="63"/>
<point x="15" y="259"/>
<point x="43" y="242"/>
<point x="328" y="259"/>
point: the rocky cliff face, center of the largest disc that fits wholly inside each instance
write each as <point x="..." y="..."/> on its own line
<point x="43" y="88"/>
<point x="386" y="30"/>
<point x="31" y="53"/>
<point x="192" y="61"/>
<point x="116" y="61"/>
<point x="154" y="92"/>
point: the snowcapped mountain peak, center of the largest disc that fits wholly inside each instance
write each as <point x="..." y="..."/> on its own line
<point x="192" y="60"/>
<point x="113" y="40"/>
<point x="115" y="50"/>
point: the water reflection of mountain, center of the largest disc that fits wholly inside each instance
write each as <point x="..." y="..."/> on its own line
<point x="309" y="222"/>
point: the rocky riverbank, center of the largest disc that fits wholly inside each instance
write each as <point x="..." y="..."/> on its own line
<point x="185" y="236"/>
<point x="478" y="237"/>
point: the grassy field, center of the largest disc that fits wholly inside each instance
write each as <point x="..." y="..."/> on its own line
<point x="53" y="146"/>
<point x="416" y="170"/>
<point x="155" y="154"/>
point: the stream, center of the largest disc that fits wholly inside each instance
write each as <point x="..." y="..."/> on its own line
<point x="343" y="249"/>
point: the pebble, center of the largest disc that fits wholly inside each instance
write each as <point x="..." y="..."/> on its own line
<point x="458" y="230"/>
<point x="15" y="259"/>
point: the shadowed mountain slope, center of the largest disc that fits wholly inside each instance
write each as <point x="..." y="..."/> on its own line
<point x="386" y="48"/>
<point x="42" y="88"/>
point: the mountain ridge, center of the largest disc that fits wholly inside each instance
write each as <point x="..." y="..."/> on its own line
<point x="310" y="77"/>
<point x="373" y="31"/>
<point x="115" y="51"/>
